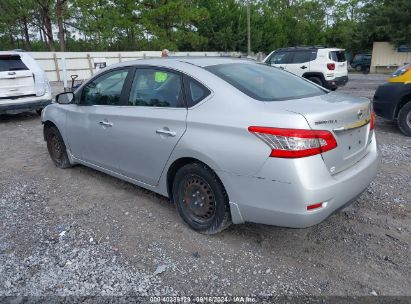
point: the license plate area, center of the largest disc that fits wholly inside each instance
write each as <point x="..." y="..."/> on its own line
<point x="353" y="141"/>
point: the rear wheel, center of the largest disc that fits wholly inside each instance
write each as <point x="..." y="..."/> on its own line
<point x="316" y="80"/>
<point x="404" y="119"/>
<point x="201" y="199"/>
<point x="358" y="68"/>
<point x="57" y="148"/>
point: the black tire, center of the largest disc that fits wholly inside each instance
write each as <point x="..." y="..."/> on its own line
<point x="201" y="199"/>
<point x="316" y="80"/>
<point x="366" y="70"/>
<point x="57" y="148"/>
<point x="358" y="68"/>
<point x="404" y="119"/>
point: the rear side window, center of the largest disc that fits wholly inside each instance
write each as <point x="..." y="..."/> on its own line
<point x="265" y="83"/>
<point x="11" y="63"/>
<point x="337" y="56"/>
<point x="156" y="88"/>
<point x="304" y="56"/>
<point x="195" y="91"/>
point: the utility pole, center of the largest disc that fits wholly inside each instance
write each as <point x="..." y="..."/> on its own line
<point x="248" y="29"/>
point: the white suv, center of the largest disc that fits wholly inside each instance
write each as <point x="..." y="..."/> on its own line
<point x="23" y="84"/>
<point x="324" y="66"/>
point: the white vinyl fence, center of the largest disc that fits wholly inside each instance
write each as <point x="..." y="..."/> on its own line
<point x="84" y="64"/>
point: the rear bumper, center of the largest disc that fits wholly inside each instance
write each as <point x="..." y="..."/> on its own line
<point x="282" y="190"/>
<point x="337" y="82"/>
<point x="14" y="106"/>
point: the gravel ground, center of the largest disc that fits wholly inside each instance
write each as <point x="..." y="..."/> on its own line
<point x="80" y="232"/>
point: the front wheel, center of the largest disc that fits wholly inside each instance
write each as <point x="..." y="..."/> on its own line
<point x="404" y="119"/>
<point x="57" y="148"/>
<point x="201" y="199"/>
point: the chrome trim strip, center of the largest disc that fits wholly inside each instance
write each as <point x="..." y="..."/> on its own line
<point x="355" y="125"/>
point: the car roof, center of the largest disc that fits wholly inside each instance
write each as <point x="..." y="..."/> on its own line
<point x="173" y="61"/>
<point x="308" y="48"/>
<point x="5" y="53"/>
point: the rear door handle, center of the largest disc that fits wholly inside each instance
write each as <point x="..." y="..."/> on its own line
<point x="303" y="67"/>
<point x="166" y="132"/>
<point x="105" y="124"/>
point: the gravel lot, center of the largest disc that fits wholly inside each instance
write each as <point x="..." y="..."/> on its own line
<point x="80" y="232"/>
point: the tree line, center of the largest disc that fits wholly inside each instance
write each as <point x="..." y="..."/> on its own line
<point x="200" y="25"/>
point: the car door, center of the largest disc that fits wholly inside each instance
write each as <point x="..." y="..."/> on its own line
<point x="151" y="123"/>
<point x="300" y="63"/>
<point x="92" y="124"/>
<point x="280" y="59"/>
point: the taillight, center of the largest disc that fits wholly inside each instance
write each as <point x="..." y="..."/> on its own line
<point x="295" y="143"/>
<point x="372" y="120"/>
<point x="331" y="66"/>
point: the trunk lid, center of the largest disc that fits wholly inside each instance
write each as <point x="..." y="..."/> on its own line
<point x="345" y="116"/>
<point x="15" y="78"/>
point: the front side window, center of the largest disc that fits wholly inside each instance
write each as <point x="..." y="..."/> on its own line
<point x="105" y="90"/>
<point x="156" y="88"/>
<point x="281" y="58"/>
<point x="265" y="83"/>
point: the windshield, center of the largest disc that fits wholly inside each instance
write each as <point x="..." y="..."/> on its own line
<point x="402" y="70"/>
<point x="265" y="83"/>
<point x="11" y="63"/>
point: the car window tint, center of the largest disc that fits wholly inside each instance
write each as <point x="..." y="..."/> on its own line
<point x="301" y="57"/>
<point x="105" y="90"/>
<point x="156" y="88"/>
<point x="265" y="83"/>
<point x="196" y="92"/>
<point x="11" y="63"/>
<point x="337" y="56"/>
<point x="281" y="58"/>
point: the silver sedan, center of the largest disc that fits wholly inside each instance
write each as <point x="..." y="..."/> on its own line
<point x="227" y="140"/>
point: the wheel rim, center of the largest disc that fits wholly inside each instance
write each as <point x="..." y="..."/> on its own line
<point x="54" y="147"/>
<point x="408" y="119"/>
<point x="198" y="198"/>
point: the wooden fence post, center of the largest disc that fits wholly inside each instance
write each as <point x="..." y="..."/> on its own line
<point x="90" y="65"/>
<point x="56" y="66"/>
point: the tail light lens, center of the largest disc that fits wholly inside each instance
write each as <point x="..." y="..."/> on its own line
<point x="372" y="120"/>
<point x="295" y="143"/>
<point x="331" y="66"/>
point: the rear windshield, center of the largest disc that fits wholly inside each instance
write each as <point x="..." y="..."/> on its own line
<point x="337" y="56"/>
<point x="265" y="83"/>
<point x="11" y="63"/>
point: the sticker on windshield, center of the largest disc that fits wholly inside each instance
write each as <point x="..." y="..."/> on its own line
<point x="160" y="76"/>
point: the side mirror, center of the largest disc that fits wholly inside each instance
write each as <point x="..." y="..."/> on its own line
<point x="65" y="98"/>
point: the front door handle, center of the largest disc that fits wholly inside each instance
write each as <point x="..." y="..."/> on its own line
<point x="105" y="124"/>
<point x="166" y="132"/>
<point x="303" y="67"/>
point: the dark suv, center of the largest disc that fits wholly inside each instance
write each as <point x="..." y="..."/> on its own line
<point x="361" y="62"/>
